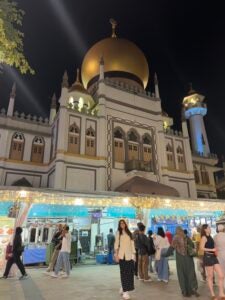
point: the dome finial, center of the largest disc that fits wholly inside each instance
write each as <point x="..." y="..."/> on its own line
<point x="191" y="90"/>
<point x="114" y="24"/>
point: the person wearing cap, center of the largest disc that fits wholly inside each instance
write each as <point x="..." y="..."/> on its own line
<point x="220" y="245"/>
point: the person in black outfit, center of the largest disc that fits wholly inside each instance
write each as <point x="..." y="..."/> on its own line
<point x="211" y="262"/>
<point x="16" y="255"/>
<point x="135" y="237"/>
<point x="143" y="244"/>
<point x="152" y="250"/>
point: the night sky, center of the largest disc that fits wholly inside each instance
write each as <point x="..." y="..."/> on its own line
<point x="184" y="41"/>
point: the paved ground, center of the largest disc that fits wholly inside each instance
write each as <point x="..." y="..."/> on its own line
<point x="89" y="282"/>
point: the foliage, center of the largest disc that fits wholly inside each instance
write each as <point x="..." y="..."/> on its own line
<point x="11" y="38"/>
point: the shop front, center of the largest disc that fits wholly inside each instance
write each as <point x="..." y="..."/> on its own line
<point x="90" y="216"/>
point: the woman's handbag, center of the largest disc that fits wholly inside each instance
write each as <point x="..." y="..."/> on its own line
<point x="9" y="252"/>
<point x="169" y="252"/>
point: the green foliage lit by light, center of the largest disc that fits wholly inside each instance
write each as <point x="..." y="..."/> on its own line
<point x="11" y="38"/>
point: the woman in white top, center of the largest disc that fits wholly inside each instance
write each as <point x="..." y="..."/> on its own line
<point x="161" y="242"/>
<point x="125" y="256"/>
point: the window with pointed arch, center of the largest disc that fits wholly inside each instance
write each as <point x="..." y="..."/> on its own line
<point x="74" y="139"/>
<point x="204" y="175"/>
<point x="170" y="156"/>
<point x="133" y="145"/>
<point x="119" y="145"/>
<point x="180" y="159"/>
<point x="17" y="146"/>
<point x="147" y="148"/>
<point x="38" y="148"/>
<point x="196" y="174"/>
<point x="90" y="148"/>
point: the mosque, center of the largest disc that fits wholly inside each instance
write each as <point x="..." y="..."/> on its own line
<point x="109" y="133"/>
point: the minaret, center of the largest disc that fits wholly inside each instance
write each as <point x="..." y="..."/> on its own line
<point x="64" y="92"/>
<point x="194" y="111"/>
<point x="12" y="101"/>
<point x="101" y="68"/>
<point x="53" y="109"/>
<point x="156" y="86"/>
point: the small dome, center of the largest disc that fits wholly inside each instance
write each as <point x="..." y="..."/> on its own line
<point x="121" y="57"/>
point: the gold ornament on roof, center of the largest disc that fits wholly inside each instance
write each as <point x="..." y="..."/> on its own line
<point x="114" y="24"/>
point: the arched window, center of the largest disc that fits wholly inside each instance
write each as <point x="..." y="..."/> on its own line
<point x="74" y="139"/>
<point x="133" y="145"/>
<point x="196" y="174"/>
<point x="38" y="147"/>
<point x="147" y="148"/>
<point x="170" y="156"/>
<point x="119" y="145"/>
<point x="17" y="146"/>
<point x="204" y="175"/>
<point x="90" y="142"/>
<point x="180" y="159"/>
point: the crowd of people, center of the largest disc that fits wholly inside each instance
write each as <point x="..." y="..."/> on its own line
<point x="139" y="254"/>
<point x="136" y="253"/>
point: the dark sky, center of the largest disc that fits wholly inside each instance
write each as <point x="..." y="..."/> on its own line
<point x="184" y="41"/>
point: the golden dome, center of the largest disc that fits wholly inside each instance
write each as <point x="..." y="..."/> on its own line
<point x="120" y="55"/>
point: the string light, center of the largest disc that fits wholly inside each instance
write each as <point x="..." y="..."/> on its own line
<point x="110" y="199"/>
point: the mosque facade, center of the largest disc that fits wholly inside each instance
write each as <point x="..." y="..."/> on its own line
<point x="107" y="133"/>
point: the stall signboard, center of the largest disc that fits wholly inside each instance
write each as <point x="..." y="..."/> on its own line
<point x="6" y="232"/>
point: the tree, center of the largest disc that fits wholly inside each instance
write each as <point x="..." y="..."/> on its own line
<point x="11" y="38"/>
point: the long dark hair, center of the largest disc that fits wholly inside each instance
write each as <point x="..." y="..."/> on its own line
<point x="126" y="229"/>
<point x="204" y="227"/>
<point x="19" y="230"/>
<point x="161" y="232"/>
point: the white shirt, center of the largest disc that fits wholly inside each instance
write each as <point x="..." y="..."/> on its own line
<point x="66" y="243"/>
<point x="125" y="246"/>
<point x="161" y="242"/>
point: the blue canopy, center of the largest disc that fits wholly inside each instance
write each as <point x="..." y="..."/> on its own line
<point x="4" y="208"/>
<point x="121" y="212"/>
<point x="168" y="212"/>
<point x="49" y="210"/>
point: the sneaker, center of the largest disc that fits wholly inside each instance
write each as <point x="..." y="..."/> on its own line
<point x="25" y="276"/>
<point x="148" y="280"/>
<point x="64" y="276"/>
<point x="62" y="273"/>
<point x="53" y="275"/>
<point x="159" y="279"/>
<point x="166" y="281"/>
<point x="141" y="279"/>
<point x="121" y="291"/>
<point x="3" y="277"/>
<point x="126" y="295"/>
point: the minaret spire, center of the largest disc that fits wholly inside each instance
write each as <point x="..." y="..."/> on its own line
<point x="78" y="76"/>
<point x="65" y="82"/>
<point x="101" y="68"/>
<point x="12" y="101"/>
<point x="157" y="95"/>
<point x="53" y="109"/>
